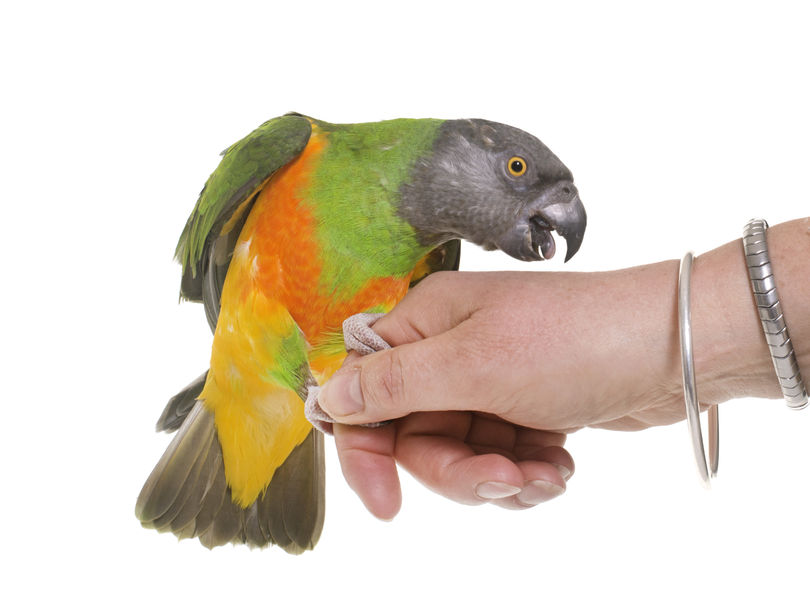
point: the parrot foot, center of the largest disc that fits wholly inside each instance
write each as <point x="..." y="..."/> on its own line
<point x="357" y="336"/>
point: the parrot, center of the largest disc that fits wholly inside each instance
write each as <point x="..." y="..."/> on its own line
<point x="303" y="224"/>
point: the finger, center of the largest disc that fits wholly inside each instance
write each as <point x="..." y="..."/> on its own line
<point x="542" y="482"/>
<point x="535" y="438"/>
<point x="489" y="449"/>
<point x="491" y="432"/>
<point x="451" y="468"/>
<point x="367" y="461"/>
<point x="556" y="456"/>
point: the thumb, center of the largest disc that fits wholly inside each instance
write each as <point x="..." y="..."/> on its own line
<point x="436" y="373"/>
<point x="431" y="366"/>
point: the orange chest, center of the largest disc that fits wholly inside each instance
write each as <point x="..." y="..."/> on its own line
<point x="279" y="256"/>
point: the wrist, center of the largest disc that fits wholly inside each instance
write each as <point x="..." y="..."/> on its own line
<point x="646" y="350"/>
<point x="732" y="359"/>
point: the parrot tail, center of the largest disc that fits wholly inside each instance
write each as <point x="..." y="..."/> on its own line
<point x="180" y="405"/>
<point x="187" y="493"/>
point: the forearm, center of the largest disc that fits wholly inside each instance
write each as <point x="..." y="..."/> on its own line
<point x="629" y="319"/>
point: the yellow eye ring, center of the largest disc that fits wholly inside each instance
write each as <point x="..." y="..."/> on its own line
<point x="516" y="166"/>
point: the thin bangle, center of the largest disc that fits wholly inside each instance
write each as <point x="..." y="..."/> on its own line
<point x="763" y="285"/>
<point x="689" y="385"/>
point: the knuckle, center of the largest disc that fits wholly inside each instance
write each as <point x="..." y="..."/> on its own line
<point x="384" y="385"/>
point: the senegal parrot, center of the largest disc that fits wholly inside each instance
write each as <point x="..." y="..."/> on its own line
<point x="303" y="224"/>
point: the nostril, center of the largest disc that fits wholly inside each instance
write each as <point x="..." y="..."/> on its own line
<point x="567" y="190"/>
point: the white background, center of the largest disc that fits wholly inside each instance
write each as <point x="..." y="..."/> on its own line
<point x="680" y="122"/>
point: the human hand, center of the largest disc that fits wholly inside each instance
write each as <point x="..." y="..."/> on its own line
<point x="490" y="370"/>
<point x="489" y="376"/>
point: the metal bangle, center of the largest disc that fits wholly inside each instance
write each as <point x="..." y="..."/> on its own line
<point x="763" y="284"/>
<point x="689" y="386"/>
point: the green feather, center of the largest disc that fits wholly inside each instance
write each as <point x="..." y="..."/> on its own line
<point x="291" y="358"/>
<point x="355" y="194"/>
<point x="244" y="168"/>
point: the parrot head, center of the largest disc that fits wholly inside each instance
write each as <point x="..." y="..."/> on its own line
<point x="496" y="186"/>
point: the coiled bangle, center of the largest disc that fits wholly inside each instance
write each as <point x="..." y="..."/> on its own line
<point x="763" y="284"/>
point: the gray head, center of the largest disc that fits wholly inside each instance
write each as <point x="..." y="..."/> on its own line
<point x="496" y="186"/>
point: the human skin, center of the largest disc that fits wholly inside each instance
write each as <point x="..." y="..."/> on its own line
<point x="489" y="371"/>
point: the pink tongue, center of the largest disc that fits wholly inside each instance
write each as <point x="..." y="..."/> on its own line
<point x="547" y="246"/>
<point x="542" y="240"/>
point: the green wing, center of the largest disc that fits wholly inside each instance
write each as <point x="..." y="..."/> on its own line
<point x="206" y="244"/>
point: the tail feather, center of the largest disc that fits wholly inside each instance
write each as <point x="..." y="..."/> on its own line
<point x="187" y="493"/>
<point x="160" y="493"/>
<point x="184" y="516"/>
<point x="184" y="503"/>
<point x="301" y="519"/>
<point x="180" y="405"/>
<point x="225" y="526"/>
<point x="291" y="511"/>
<point x="213" y="496"/>
<point x="252" y="529"/>
<point x="273" y="505"/>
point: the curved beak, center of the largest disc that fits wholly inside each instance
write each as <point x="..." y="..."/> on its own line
<point x="557" y="209"/>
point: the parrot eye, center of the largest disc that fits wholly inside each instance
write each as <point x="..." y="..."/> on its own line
<point x="516" y="166"/>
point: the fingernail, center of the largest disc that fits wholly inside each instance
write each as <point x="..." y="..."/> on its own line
<point x="495" y="490"/>
<point x="341" y="396"/>
<point x="537" y="491"/>
<point x="564" y="471"/>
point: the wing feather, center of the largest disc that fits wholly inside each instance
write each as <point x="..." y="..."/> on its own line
<point x="227" y="196"/>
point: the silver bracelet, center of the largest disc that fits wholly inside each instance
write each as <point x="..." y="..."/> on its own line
<point x="763" y="284"/>
<point x="689" y="386"/>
